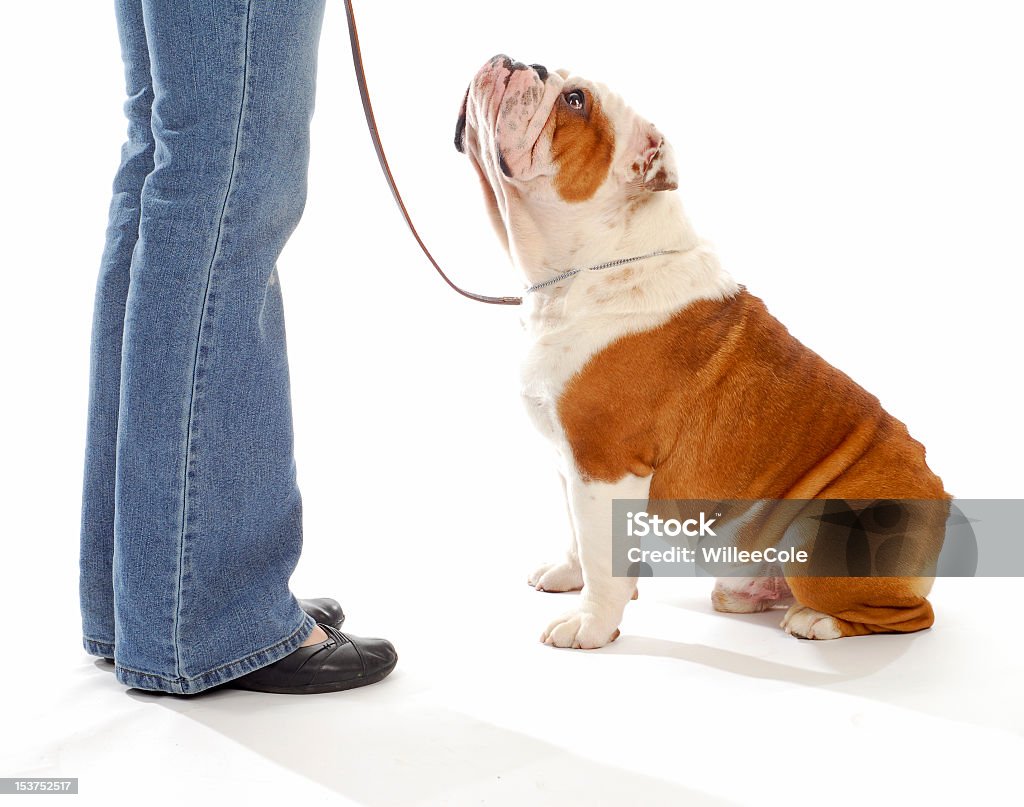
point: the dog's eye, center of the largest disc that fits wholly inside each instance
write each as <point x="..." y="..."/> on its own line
<point x="575" y="99"/>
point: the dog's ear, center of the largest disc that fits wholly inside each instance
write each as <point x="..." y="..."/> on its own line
<point x="653" y="166"/>
<point x="460" y="125"/>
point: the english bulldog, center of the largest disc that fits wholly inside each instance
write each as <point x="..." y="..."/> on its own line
<point x="657" y="376"/>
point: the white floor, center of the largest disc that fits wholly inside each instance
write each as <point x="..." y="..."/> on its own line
<point x="687" y="707"/>
<point x="833" y="185"/>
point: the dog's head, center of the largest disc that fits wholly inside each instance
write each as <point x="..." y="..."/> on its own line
<point x="555" y="153"/>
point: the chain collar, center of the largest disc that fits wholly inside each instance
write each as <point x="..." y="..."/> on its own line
<point x="607" y="265"/>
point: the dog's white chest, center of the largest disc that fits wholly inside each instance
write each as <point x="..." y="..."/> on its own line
<point x="541" y="389"/>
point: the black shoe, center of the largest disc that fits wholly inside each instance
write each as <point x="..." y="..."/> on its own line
<point x="342" y="662"/>
<point x="322" y="609"/>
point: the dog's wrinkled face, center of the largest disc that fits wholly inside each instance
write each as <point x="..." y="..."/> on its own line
<point x="546" y="142"/>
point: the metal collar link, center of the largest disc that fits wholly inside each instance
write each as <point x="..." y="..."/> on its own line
<point x="606" y="265"/>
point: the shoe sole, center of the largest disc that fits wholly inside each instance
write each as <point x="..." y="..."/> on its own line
<point x="314" y="689"/>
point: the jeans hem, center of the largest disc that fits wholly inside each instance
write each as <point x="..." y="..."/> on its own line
<point x="218" y="675"/>
<point x="94" y="647"/>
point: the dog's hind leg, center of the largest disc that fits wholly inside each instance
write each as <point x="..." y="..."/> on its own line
<point x="831" y="607"/>
<point x="902" y="555"/>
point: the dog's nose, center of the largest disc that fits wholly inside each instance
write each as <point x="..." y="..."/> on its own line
<point x="542" y="71"/>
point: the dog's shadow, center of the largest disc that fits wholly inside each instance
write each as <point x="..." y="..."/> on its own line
<point x="850" y="664"/>
<point x="847" y="659"/>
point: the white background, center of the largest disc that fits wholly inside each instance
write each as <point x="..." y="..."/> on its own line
<point x="858" y="166"/>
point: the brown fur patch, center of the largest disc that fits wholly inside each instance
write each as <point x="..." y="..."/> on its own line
<point x="582" y="147"/>
<point x="721" y="402"/>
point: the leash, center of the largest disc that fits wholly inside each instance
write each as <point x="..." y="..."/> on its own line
<point x="371" y="123"/>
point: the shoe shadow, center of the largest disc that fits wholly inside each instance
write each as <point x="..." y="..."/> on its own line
<point x="378" y="746"/>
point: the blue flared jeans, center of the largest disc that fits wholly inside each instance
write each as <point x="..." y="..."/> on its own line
<point x="191" y="513"/>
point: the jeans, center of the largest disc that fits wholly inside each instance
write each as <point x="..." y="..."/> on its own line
<point x="191" y="513"/>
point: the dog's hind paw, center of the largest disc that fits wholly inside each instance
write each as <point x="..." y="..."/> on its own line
<point x="806" y="623"/>
<point x="748" y="595"/>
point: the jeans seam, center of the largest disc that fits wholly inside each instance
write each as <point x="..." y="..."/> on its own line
<point x="189" y="449"/>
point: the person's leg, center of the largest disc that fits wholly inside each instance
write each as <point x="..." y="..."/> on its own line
<point x="208" y="528"/>
<point x="97" y="537"/>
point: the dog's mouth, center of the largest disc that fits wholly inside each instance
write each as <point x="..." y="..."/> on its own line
<point x="501" y="114"/>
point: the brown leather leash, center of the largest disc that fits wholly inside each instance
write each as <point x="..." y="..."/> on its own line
<point x="371" y="124"/>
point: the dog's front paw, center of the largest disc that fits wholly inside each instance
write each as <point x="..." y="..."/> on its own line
<point x="581" y="630"/>
<point x="564" y="576"/>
